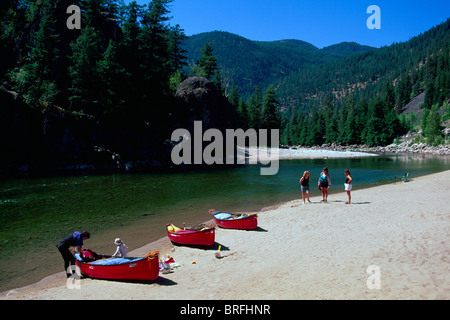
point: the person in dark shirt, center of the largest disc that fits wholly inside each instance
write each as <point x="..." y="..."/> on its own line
<point x="75" y="240"/>
<point x="304" y="183"/>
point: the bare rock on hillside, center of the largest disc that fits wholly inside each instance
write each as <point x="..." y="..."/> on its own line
<point x="198" y="99"/>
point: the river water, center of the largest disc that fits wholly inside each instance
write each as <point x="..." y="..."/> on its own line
<point x="36" y="213"/>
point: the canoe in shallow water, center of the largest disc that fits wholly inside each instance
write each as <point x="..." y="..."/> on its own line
<point x="202" y="237"/>
<point x="240" y="221"/>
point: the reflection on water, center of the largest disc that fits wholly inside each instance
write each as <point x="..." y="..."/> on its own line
<point x="36" y="213"/>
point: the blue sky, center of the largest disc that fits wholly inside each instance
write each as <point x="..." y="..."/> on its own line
<point x="321" y="23"/>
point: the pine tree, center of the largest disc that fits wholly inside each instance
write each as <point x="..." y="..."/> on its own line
<point x="362" y="118"/>
<point x="111" y="76"/>
<point x="302" y="128"/>
<point x="392" y="126"/>
<point x="373" y="133"/>
<point x="254" y="109"/>
<point x="86" y="52"/>
<point x="207" y="62"/>
<point x="330" y="119"/>
<point x="404" y="90"/>
<point x="432" y="128"/>
<point x="348" y="122"/>
<point x="316" y="128"/>
<point x="234" y="96"/>
<point x="36" y="78"/>
<point x="176" y="52"/>
<point x="243" y="115"/>
<point x="270" y="118"/>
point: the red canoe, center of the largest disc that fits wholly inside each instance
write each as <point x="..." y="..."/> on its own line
<point x="202" y="237"/>
<point x="241" y="221"/>
<point x="146" y="268"/>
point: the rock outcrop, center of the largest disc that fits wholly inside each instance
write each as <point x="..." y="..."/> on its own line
<point x="54" y="139"/>
<point x="198" y="99"/>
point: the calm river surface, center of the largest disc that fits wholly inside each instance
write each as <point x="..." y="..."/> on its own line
<point x="36" y="213"/>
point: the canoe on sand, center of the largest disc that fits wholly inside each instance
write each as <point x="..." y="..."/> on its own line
<point x="143" y="268"/>
<point x="241" y="221"/>
<point x="202" y="237"/>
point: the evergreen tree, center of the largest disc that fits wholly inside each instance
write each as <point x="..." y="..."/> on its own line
<point x="207" y="63"/>
<point x="404" y="90"/>
<point x="36" y="78"/>
<point x="111" y="76"/>
<point x="83" y="72"/>
<point x="348" y="122"/>
<point x="302" y="128"/>
<point x="315" y="135"/>
<point x="218" y="82"/>
<point x="392" y="126"/>
<point x="243" y="115"/>
<point x="234" y="96"/>
<point x="429" y="95"/>
<point x="254" y="109"/>
<point x="389" y="96"/>
<point x="432" y="128"/>
<point x="270" y="118"/>
<point x="12" y="21"/>
<point x="176" y="52"/>
<point x="362" y="118"/>
<point x="373" y="135"/>
<point x="329" y="119"/>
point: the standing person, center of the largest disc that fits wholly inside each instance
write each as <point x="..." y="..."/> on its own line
<point x="74" y="239"/>
<point x="121" y="248"/>
<point x="348" y="184"/>
<point x="304" y="185"/>
<point x="324" y="183"/>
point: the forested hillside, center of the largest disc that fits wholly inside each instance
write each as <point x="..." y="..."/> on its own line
<point x="101" y="96"/>
<point x="121" y="56"/>
<point x="359" y="98"/>
<point x="345" y="93"/>
<point x="248" y="64"/>
<point x="109" y="88"/>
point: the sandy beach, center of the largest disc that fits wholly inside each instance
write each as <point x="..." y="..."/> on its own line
<point x="254" y="154"/>
<point x="392" y="242"/>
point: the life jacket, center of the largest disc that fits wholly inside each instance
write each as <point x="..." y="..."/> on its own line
<point x="88" y="254"/>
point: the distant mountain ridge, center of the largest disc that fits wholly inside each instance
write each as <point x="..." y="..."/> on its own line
<point x="366" y="73"/>
<point x="247" y="63"/>
<point x="344" y="49"/>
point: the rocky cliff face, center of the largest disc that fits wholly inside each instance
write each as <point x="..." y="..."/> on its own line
<point x="32" y="141"/>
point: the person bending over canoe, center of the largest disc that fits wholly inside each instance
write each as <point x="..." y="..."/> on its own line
<point x="71" y="240"/>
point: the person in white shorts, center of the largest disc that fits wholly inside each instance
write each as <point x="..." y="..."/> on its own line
<point x="348" y="184"/>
